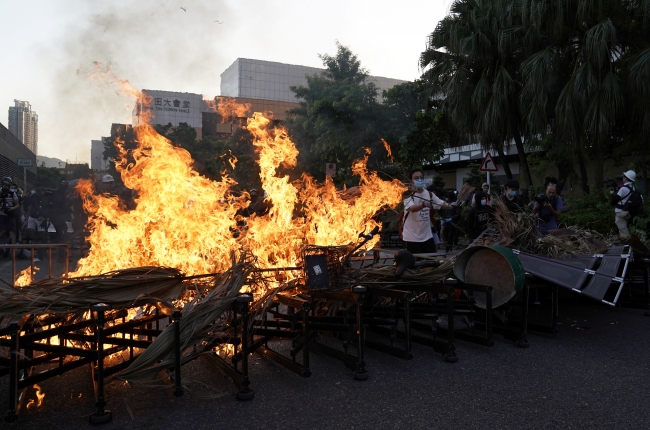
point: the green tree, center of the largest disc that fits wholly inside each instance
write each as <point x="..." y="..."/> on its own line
<point x="337" y="118"/>
<point x="586" y="75"/>
<point x="473" y="63"/>
<point x="81" y="171"/>
<point x="181" y="135"/>
<point x="48" y="177"/>
<point x="413" y="125"/>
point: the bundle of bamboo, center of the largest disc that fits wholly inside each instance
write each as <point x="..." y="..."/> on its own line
<point x="121" y="288"/>
<point x="203" y="321"/>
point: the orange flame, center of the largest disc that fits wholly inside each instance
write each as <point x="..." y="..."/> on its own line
<point x="387" y="146"/>
<point x="25" y="277"/>
<point x="185" y="221"/>
<point x="39" y="398"/>
<point x="227" y="107"/>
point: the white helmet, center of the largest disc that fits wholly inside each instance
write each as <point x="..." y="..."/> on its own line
<point x="107" y="178"/>
<point x="631" y="175"/>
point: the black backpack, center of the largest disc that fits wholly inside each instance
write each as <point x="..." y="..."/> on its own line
<point x="634" y="203"/>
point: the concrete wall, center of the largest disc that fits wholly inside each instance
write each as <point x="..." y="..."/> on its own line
<point x="11" y="149"/>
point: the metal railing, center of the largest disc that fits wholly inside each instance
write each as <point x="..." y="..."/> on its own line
<point x="32" y="247"/>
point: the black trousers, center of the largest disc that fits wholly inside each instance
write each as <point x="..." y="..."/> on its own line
<point x="421" y="247"/>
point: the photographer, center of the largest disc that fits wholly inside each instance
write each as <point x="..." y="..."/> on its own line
<point x="620" y="200"/>
<point x="9" y="202"/>
<point x="548" y="207"/>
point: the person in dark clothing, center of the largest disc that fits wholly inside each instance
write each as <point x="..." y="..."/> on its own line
<point x="479" y="216"/>
<point x="35" y="208"/>
<point x="450" y="220"/>
<point x="59" y="210"/>
<point x="18" y="213"/>
<point x="511" y="198"/>
<point x="9" y="203"/>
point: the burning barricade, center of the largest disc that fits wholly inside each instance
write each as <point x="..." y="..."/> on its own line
<point x="172" y="257"/>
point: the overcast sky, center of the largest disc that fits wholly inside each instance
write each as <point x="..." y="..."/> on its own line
<point x="49" y="46"/>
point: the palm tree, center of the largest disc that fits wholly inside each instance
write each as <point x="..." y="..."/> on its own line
<point x="578" y="60"/>
<point x="475" y="64"/>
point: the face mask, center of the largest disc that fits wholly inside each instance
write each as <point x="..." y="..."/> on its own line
<point x="13" y="190"/>
<point x="419" y="183"/>
<point x="512" y="193"/>
<point x="33" y="192"/>
<point x="483" y="202"/>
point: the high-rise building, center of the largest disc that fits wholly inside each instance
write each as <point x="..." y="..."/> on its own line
<point x="97" y="161"/>
<point x="23" y="123"/>
<point x="268" y="80"/>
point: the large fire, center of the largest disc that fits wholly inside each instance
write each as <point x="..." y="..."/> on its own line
<point x="186" y="221"/>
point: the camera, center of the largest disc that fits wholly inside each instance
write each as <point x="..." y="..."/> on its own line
<point x="610" y="183"/>
<point x="541" y="199"/>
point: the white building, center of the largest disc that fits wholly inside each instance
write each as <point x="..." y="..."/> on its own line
<point x="97" y="161"/>
<point x="169" y="107"/>
<point x="23" y="123"/>
<point x="268" y="80"/>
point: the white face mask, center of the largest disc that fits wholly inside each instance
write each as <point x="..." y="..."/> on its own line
<point x="33" y="192"/>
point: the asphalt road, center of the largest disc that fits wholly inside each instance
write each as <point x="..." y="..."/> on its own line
<point x="594" y="374"/>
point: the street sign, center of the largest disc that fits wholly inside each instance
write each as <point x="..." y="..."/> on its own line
<point x="488" y="164"/>
<point x="24" y="162"/>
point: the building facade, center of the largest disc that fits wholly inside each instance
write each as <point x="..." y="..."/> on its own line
<point x="97" y="161"/>
<point x="23" y="123"/>
<point x="11" y="150"/>
<point x="268" y="80"/>
<point x="169" y="107"/>
<point x="262" y="86"/>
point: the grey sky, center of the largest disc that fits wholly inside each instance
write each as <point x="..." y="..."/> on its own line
<point x="49" y="47"/>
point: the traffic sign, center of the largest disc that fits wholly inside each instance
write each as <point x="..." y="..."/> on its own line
<point x="330" y="169"/>
<point x="488" y="164"/>
<point x="24" y="162"/>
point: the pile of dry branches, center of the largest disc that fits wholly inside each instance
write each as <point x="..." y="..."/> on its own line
<point x="518" y="230"/>
<point x="204" y="320"/>
<point x="121" y="288"/>
<point x="417" y="275"/>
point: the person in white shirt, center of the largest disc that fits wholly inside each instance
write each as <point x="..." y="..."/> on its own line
<point x="622" y="217"/>
<point x="418" y="206"/>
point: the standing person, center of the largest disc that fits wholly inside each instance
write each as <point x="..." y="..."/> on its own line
<point x="548" y="207"/>
<point x="34" y="208"/>
<point x="18" y="212"/>
<point x="478" y="216"/>
<point x="416" y="231"/>
<point x="450" y="220"/>
<point x="107" y="185"/>
<point x="620" y="200"/>
<point x="486" y="190"/>
<point x="513" y="201"/>
<point x="8" y="204"/>
<point x="60" y="211"/>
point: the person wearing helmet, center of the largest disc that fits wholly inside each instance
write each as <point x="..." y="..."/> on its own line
<point x="107" y="184"/>
<point x="9" y="203"/>
<point x="622" y="216"/>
